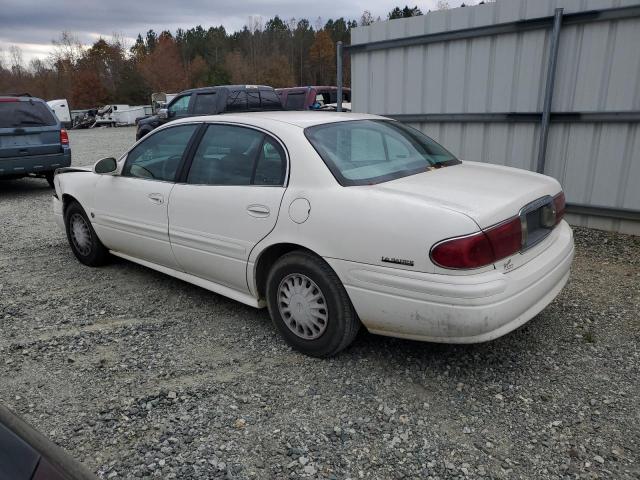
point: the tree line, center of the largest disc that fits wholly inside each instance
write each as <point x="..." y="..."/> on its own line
<point x="279" y="52"/>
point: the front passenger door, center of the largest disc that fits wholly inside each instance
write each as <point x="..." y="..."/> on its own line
<point x="130" y="209"/>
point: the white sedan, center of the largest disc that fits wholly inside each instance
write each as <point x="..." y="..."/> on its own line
<point x="332" y="221"/>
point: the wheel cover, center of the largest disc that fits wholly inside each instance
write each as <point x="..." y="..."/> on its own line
<point x="302" y="306"/>
<point x="80" y="234"/>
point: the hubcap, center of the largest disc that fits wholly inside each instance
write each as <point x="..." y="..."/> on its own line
<point x="302" y="306"/>
<point x="80" y="234"/>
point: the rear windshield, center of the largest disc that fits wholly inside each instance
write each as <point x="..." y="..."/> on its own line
<point x="362" y="152"/>
<point x="25" y="114"/>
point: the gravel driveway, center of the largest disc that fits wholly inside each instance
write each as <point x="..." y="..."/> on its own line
<point x="140" y="375"/>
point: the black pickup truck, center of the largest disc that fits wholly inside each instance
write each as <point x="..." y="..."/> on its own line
<point x="212" y="101"/>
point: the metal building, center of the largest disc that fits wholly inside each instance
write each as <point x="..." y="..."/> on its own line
<point x="546" y="85"/>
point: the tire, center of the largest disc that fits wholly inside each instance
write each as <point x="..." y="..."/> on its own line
<point x="88" y="249"/>
<point x="310" y="283"/>
<point x="142" y="132"/>
<point x="49" y="176"/>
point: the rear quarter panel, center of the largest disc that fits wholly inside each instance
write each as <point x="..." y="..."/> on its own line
<point x="358" y="223"/>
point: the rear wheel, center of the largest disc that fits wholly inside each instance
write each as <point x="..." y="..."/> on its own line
<point x="84" y="242"/>
<point x="309" y="305"/>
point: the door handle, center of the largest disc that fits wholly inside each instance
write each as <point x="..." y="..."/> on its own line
<point x="156" y="198"/>
<point x="258" y="210"/>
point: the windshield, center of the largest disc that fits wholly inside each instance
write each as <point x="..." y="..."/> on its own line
<point x="362" y="152"/>
<point x="25" y="114"/>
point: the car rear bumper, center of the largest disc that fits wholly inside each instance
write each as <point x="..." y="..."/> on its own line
<point x="35" y="163"/>
<point x="457" y="308"/>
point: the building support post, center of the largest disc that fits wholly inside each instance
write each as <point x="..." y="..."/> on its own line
<point x="548" y="91"/>
<point x="339" y="76"/>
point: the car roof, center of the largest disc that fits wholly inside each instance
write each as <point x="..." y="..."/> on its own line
<point x="300" y="119"/>
<point x="227" y="87"/>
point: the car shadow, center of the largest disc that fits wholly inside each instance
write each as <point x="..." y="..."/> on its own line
<point x="23" y="185"/>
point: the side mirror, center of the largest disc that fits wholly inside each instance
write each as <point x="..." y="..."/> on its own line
<point x="163" y="114"/>
<point x="106" y="166"/>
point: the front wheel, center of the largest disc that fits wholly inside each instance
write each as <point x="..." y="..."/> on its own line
<point x="309" y="305"/>
<point x="84" y="242"/>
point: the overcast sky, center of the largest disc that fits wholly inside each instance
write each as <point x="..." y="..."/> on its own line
<point x="33" y="24"/>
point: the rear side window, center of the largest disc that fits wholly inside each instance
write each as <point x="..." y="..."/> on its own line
<point x="237" y="101"/>
<point x="205" y="104"/>
<point x="231" y="155"/>
<point x="26" y="114"/>
<point x="295" y="101"/>
<point x="270" y="100"/>
<point x="271" y="166"/>
<point x="254" y="99"/>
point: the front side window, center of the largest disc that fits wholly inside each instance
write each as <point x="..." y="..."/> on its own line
<point x="362" y="152"/>
<point x="180" y="106"/>
<point x="158" y="156"/>
<point x="231" y="155"/>
<point x="205" y="104"/>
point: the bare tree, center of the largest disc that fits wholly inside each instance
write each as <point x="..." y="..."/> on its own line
<point x="16" y="61"/>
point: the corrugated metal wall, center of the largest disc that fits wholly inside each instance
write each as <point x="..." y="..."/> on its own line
<point x="598" y="70"/>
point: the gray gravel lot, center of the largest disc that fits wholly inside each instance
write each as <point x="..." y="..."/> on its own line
<point x="140" y="375"/>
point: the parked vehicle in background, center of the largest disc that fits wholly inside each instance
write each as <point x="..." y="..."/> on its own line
<point x="160" y="100"/>
<point x="212" y="101"/>
<point x="32" y="139"/>
<point x="26" y="454"/>
<point x="311" y="98"/>
<point x="331" y="220"/>
<point x="61" y="108"/>
<point x="333" y="107"/>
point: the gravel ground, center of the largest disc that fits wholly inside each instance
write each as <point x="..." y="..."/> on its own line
<point x="140" y="375"/>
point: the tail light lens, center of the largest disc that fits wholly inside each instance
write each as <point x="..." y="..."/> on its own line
<point x="559" y="205"/>
<point x="64" y="137"/>
<point x="473" y="251"/>
<point x="480" y="249"/>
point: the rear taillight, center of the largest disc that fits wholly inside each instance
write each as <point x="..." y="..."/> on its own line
<point x="480" y="249"/>
<point x="7" y="100"/>
<point x="64" y="137"/>
<point x="559" y="206"/>
<point x="506" y="238"/>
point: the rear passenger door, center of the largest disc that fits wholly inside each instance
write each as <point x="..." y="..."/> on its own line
<point x="229" y="201"/>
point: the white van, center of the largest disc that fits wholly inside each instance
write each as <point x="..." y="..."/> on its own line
<point x="61" y="108"/>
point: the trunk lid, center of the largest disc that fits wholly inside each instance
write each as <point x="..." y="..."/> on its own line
<point x="487" y="193"/>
